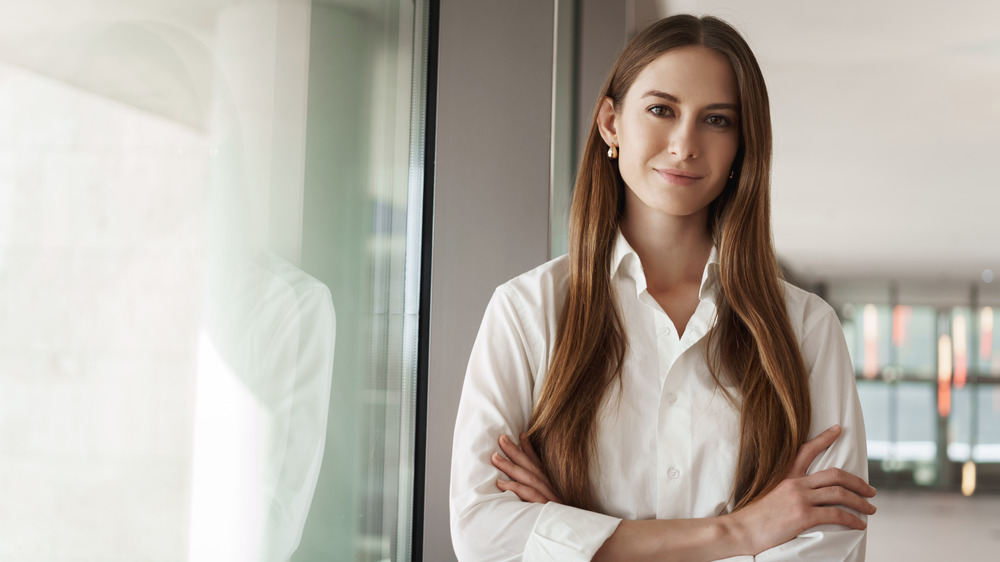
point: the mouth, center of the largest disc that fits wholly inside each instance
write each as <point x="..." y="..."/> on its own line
<point x="678" y="177"/>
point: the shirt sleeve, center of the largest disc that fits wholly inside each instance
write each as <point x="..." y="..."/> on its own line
<point x="497" y="398"/>
<point x="835" y="401"/>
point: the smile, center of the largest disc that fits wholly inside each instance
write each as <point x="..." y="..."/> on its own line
<point x="678" y="177"/>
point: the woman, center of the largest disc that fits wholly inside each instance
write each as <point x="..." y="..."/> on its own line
<point x="668" y="379"/>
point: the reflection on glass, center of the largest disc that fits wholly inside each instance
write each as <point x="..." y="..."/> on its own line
<point x="928" y="375"/>
<point x="869" y="338"/>
<point x="968" y="478"/>
<point x="915" y="340"/>
<point x="875" y="405"/>
<point x="916" y="431"/>
<point x="944" y="375"/>
<point x="186" y="189"/>
<point x="910" y="434"/>
<point x="870" y="363"/>
<point x="974" y="426"/>
<point x="361" y="236"/>
<point x="960" y="343"/>
<point x="988" y="360"/>
<point x="264" y="374"/>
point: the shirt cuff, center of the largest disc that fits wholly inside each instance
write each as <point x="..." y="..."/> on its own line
<point x="564" y="533"/>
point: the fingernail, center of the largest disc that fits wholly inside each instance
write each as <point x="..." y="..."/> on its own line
<point x="504" y="438"/>
<point x="495" y="456"/>
<point x="834" y="428"/>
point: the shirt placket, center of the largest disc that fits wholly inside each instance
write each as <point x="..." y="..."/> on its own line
<point x="673" y="425"/>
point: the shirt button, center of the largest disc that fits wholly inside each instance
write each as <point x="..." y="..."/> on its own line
<point x="671" y="398"/>
<point x="665" y="331"/>
<point x="673" y="473"/>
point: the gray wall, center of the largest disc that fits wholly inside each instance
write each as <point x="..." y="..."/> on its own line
<point x="602" y="34"/>
<point x="491" y="196"/>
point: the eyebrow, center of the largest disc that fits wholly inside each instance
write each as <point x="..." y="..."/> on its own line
<point x="673" y="99"/>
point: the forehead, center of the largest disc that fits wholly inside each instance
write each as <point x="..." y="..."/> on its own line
<point x="695" y="75"/>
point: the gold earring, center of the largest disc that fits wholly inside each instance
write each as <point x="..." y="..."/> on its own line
<point x="612" y="152"/>
<point x="731" y="172"/>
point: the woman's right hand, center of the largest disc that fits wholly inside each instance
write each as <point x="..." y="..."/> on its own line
<point x="803" y="501"/>
<point x="522" y="465"/>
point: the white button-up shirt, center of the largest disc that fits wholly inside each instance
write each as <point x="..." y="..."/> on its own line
<point x="667" y="442"/>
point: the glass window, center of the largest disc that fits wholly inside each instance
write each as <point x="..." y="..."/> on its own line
<point x="962" y="335"/>
<point x="987" y="359"/>
<point x="869" y="329"/>
<point x="897" y="421"/>
<point x="916" y="430"/>
<point x="210" y="244"/>
<point x="874" y="398"/>
<point x="987" y="448"/>
<point x="915" y="338"/>
<point x="974" y="426"/>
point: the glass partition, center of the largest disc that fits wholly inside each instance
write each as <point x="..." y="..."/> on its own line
<point x="210" y="250"/>
<point x="925" y="363"/>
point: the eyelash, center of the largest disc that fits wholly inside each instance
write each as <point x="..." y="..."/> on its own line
<point x="654" y="108"/>
<point x="725" y="121"/>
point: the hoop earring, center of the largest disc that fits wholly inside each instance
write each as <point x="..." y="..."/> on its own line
<point x="612" y="152"/>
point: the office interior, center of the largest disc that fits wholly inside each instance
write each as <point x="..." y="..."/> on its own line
<point x="247" y="244"/>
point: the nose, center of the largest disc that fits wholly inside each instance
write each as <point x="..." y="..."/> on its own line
<point x="683" y="140"/>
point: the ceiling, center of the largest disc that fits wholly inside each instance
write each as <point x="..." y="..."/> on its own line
<point x="886" y="120"/>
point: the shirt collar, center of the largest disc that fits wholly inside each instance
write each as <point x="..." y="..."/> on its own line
<point x="625" y="260"/>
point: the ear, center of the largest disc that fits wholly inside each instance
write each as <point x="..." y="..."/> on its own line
<point x="607" y="122"/>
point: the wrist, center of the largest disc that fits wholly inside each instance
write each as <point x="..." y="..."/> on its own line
<point x="735" y="534"/>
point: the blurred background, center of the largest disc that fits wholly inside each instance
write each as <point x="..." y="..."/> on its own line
<point x="245" y="246"/>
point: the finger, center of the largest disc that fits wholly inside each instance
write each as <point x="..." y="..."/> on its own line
<point x="521" y="475"/>
<point x="838" y="477"/>
<point x="520" y="457"/>
<point x="838" y="496"/>
<point x="529" y="450"/>
<point x="515" y="454"/>
<point x="836" y="516"/>
<point x="523" y="470"/>
<point x="526" y="493"/>
<point x="812" y="448"/>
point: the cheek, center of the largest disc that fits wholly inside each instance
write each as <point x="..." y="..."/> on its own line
<point x="725" y="149"/>
<point x="733" y="145"/>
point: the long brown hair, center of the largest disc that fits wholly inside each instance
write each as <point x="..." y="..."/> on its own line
<point x="752" y="343"/>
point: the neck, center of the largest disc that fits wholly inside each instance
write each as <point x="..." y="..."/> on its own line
<point x="673" y="250"/>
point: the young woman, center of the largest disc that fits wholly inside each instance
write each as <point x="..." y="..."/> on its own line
<point x="677" y="392"/>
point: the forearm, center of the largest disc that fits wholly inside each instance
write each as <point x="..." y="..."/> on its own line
<point x="710" y="538"/>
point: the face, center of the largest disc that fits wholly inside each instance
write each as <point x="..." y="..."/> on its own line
<point x="677" y="132"/>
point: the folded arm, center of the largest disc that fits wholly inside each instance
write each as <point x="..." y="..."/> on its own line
<point x="800" y="502"/>
<point x="497" y="398"/>
<point x="835" y="400"/>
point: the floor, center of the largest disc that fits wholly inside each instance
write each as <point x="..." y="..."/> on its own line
<point x="925" y="526"/>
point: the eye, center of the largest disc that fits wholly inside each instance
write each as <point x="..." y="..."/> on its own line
<point x="660" y="110"/>
<point x="718" y="120"/>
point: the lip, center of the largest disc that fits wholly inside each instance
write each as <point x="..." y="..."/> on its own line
<point x="678" y="177"/>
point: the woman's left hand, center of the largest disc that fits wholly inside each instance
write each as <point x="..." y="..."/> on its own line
<point x="523" y="467"/>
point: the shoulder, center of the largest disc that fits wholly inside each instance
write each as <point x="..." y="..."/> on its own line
<point x="821" y="341"/>
<point x="806" y="311"/>
<point x="531" y="304"/>
<point x="542" y="289"/>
